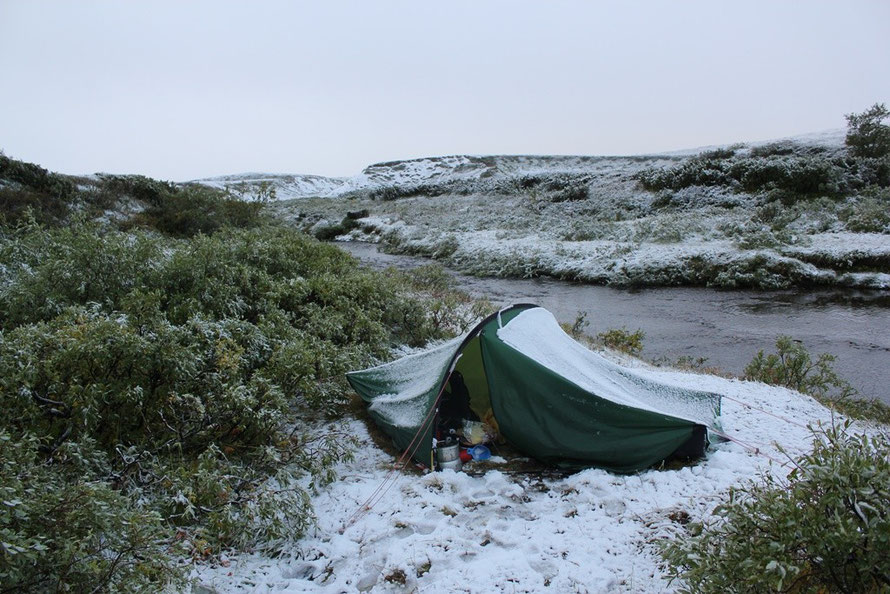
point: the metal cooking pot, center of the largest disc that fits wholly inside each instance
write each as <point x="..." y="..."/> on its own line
<point x="448" y="452"/>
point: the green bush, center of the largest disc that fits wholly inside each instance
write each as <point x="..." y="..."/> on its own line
<point x="773" y="148"/>
<point x="184" y="374"/>
<point x="623" y="340"/>
<point x="867" y="135"/>
<point x="60" y="533"/>
<point x="719" y="153"/>
<point x="395" y="192"/>
<point x="36" y="178"/>
<point x="867" y="214"/>
<point x="794" y="175"/>
<point x="145" y="189"/>
<point x="826" y="528"/>
<point x="175" y="210"/>
<point x="184" y="212"/>
<point x="30" y="191"/>
<point x="330" y="232"/>
<point x="17" y="205"/>
<point x="798" y="175"/>
<point x="793" y="367"/>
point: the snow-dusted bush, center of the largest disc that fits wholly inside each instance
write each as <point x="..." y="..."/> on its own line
<point x="826" y="528"/>
<point x="792" y="174"/>
<point x="51" y="198"/>
<point x="867" y="135"/>
<point x="868" y="214"/>
<point x="773" y="148"/>
<point x="184" y="374"/>
<point x="63" y="531"/>
<point x="623" y="340"/>
<point x="36" y="178"/>
<point x="186" y="211"/>
<point x="792" y="366"/>
<point x="26" y="187"/>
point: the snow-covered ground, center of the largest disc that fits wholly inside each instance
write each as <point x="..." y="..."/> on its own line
<point x="626" y="259"/>
<point x="589" y="219"/>
<point x="592" y="531"/>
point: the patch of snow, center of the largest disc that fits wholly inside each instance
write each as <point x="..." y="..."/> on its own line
<point x="592" y="531"/>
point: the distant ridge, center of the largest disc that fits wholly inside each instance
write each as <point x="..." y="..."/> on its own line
<point x="469" y="168"/>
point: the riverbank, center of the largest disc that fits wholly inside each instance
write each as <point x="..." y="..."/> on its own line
<point x="727" y="328"/>
<point x="798" y="213"/>
<point x="844" y="260"/>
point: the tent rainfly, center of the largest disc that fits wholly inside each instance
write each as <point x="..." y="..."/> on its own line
<point x="542" y="391"/>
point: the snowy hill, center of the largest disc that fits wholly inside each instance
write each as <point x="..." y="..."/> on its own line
<point x="468" y="168"/>
<point x="286" y="186"/>
<point x="772" y="214"/>
<point x="436" y="171"/>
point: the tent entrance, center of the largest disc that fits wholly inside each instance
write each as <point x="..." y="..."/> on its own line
<point x="465" y="408"/>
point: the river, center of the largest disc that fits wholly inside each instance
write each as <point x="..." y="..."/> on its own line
<point x="727" y="327"/>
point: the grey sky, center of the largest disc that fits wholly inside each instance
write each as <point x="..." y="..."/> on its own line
<point x="187" y="89"/>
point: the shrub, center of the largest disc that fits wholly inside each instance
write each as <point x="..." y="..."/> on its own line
<point x="793" y="367"/>
<point x="719" y="153"/>
<point x="30" y="191"/>
<point x="36" y="178"/>
<point x="773" y="148"/>
<point x="330" y="232"/>
<point x="570" y="193"/>
<point x="693" y="172"/>
<point x="576" y="330"/>
<point x="867" y="135"/>
<point x="623" y="340"/>
<point x="394" y="192"/>
<point x="824" y="529"/>
<point x="185" y="212"/>
<point x="795" y="175"/>
<point x="867" y="215"/>
<point x="17" y="205"/>
<point x="146" y="189"/>
<point x="184" y="374"/>
<point x="799" y="175"/>
<point x="61" y="533"/>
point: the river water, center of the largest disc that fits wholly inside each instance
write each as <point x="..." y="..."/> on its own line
<point x="726" y="327"/>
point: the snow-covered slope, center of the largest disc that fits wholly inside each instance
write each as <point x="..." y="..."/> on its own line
<point x="456" y="168"/>
<point x="419" y="172"/>
<point x="286" y="186"/>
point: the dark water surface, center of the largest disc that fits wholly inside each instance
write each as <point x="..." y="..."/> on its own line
<point x="727" y="327"/>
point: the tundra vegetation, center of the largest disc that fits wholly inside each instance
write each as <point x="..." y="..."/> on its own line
<point x="171" y="374"/>
<point x="824" y="528"/>
<point x="766" y="216"/>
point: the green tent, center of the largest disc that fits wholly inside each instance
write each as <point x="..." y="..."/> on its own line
<point x="543" y="392"/>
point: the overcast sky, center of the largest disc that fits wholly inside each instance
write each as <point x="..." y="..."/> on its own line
<point x="186" y="89"/>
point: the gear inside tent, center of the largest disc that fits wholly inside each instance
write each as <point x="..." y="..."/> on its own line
<point x="517" y="376"/>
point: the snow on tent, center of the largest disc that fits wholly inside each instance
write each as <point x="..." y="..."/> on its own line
<point x="542" y="391"/>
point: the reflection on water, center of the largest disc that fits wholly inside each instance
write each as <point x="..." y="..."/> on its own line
<point x="727" y="327"/>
